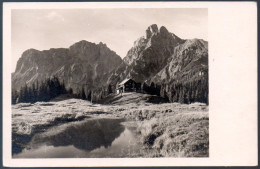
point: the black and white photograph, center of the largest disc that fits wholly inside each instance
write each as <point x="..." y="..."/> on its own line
<point x="110" y="83"/>
<point x="115" y="81"/>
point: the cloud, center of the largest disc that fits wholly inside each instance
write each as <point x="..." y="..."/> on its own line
<point x="54" y="16"/>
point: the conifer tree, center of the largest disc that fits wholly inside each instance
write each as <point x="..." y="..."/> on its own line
<point x="89" y="96"/>
<point x="83" y="95"/>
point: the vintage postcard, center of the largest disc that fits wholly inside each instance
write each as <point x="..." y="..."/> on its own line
<point x="129" y="84"/>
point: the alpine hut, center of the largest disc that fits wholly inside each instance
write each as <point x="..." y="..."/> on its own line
<point x="128" y="85"/>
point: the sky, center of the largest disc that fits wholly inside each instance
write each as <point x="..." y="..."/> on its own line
<point x="43" y="29"/>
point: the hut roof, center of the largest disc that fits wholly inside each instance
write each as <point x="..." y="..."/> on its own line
<point x="124" y="81"/>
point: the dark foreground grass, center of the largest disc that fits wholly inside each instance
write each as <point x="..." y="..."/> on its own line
<point x="178" y="135"/>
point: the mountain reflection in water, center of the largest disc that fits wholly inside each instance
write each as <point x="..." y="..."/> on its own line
<point x="89" y="138"/>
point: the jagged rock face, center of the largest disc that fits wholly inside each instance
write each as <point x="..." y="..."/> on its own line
<point x="150" y="54"/>
<point x="189" y="61"/>
<point x="38" y="65"/>
<point x="153" y="29"/>
<point x="159" y="56"/>
<point x="161" y="60"/>
<point x="83" y="63"/>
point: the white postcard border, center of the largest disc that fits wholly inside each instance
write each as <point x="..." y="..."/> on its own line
<point x="232" y="86"/>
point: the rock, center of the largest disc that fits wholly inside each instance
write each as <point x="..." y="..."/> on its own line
<point x="148" y="56"/>
<point x="151" y="30"/>
<point x="159" y="57"/>
<point x="189" y="58"/>
<point x="164" y="32"/>
<point x="82" y="64"/>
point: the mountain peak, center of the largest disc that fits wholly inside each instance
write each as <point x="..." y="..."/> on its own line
<point x="151" y="30"/>
<point x="102" y="44"/>
<point x="29" y="52"/>
<point x="163" y="30"/>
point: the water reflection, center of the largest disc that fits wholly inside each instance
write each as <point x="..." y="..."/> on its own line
<point x="89" y="138"/>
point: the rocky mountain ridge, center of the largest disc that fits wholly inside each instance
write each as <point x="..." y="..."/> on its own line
<point x="189" y="57"/>
<point x="82" y="64"/>
<point x="148" y="56"/>
<point x="160" y="58"/>
<point x="162" y="62"/>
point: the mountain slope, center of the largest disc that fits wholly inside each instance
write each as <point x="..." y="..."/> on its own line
<point x="161" y="56"/>
<point x="148" y="55"/>
<point x="190" y="60"/>
<point x="163" y="63"/>
<point x="83" y="64"/>
<point x="167" y="65"/>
